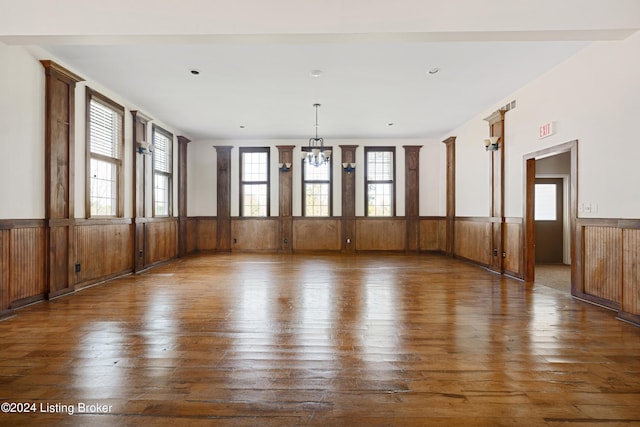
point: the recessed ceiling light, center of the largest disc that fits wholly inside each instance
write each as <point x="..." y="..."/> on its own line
<point x="194" y="72"/>
<point x="434" y="70"/>
<point x="316" y="73"/>
<point x="390" y="124"/>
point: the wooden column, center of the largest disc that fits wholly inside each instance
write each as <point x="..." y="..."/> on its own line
<point x="496" y="128"/>
<point x="451" y="195"/>
<point x="223" y="234"/>
<point x="412" y="195"/>
<point x="182" y="195"/>
<point x="59" y="144"/>
<point x="285" y="191"/>
<point x="348" y="199"/>
<point x="141" y="163"/>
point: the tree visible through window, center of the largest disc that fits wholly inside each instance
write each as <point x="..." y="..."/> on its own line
<point x="254" y="181"/>
<point x="104" y="142"/>
<point x="162" y="171"/>
<point x="316" y="189"/>
<point x="380" y="181"/>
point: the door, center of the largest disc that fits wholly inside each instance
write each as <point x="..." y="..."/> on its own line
<point x="549" y="215"/>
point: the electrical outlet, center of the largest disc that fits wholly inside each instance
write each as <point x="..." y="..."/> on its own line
<point x="78" y="268"/>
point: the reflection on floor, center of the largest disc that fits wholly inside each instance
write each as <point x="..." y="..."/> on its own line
<point x="557" y="276"/>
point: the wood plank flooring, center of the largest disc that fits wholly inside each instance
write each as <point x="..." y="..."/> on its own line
<point x="320" y="340"/>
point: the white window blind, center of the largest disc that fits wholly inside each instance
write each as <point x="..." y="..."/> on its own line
<point x="162" y="151"/>
<point x="105" y="129"/>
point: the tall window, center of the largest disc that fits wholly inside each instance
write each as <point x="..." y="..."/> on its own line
<point x="254" y="181"/>
<point x="162" y="171"/>
<point x="316" y="189"/>
<point x="104" y="156"/>
<point x="380" y="181"/>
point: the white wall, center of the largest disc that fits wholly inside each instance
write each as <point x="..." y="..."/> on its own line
<point x="22" y="109"/>
<point x="202" y="174"/>
<point x="593" y="97"/>
<point x="21" y="135"/>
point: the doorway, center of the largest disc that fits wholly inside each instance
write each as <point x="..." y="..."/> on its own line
<point x="550" y="216"/>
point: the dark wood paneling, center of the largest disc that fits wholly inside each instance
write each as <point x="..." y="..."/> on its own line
<point x="348" y="199"/>
<point x="161" y="240"/>
<point x="207" y="234"/>
<point x="473" y="240"/>
<point x="182" y="195"/>
<point x="412" y="180"/>
<point x="513" y="247"/>
<point x="27" y="263"/>
<point x="451" y="194"/>
<point x="59" y="172"/>
<point x="430" y="235"/>
<point x="316" y="234"/>
<point x="192" y="235"/>
<point x="631" y="272"/>
<point x="603" y="263"/>
<point x="496" y="128"/>
<point x="103" y="250"/>
<point x="285" y="155"/>
<point x="5" y="292"/>
<point x="223" y="183"/>
<point x="255" y="234"/>
<point x="412" y="195"/>
<point x="444" y="236"/>
<point x="381" y="234"/>
<point x="285" y="200"/>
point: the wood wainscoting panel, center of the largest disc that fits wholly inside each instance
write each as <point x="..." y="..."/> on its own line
<point x="27" y="265"/>
<point x="207" y="234"/>
<point x="317" y="234"/>
<point x="5" y="292"/>
<point x="256" y="234"/>
<point x="603" y="263"/>
<point x="473" y="240"/>
<point x="192" y="235"/>
<point x="380" y="234"/>
<point x="631" y="271"/>
<point x="103" y="251"/>
<point x="444" y="234"/>
<point x="430" y="234"/>
<point x="513" y="247"/>
<point x="161" y="240"/>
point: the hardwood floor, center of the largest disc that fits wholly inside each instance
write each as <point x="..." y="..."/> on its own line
<point x="270" y="340"/>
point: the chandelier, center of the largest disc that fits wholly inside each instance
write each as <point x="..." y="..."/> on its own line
<point x="316" y="154"/>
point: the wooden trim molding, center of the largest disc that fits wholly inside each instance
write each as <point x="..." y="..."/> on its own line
<point x="59" y="144"/>
<point x="223" y="182"/>
<point x="182" y="194"/>
<point x="348" y="235"/>
<point x="451" y="195"/>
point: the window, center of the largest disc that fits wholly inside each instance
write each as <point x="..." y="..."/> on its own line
<point x="162" y="171"/>
<point x="380" y="181"/>
<point x="316" y="188"/>
<point x="104" y="156"/>
<point x="545" y="206"/>
<point x="254" y="181"/>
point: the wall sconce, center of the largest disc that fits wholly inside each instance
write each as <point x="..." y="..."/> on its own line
<point x="284" y="167"/>
<point x="145" y="147"/>
<point x="349" y="167"/>
<point x="491" y="143"/>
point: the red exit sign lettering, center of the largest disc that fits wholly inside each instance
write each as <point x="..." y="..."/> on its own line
<point x="546" y="130"/>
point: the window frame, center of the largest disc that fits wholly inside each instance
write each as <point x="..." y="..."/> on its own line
<point x="242" y="183"/>
<point x="157" y="129"/>
<point x="91" y="95"/>
<point x="303" y="165"/>
<point x="368" y="181"/>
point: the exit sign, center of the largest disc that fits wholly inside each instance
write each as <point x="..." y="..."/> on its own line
<point x="546" y="130"/>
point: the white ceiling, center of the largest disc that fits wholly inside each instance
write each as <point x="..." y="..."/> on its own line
<point x="255" y="58"/>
